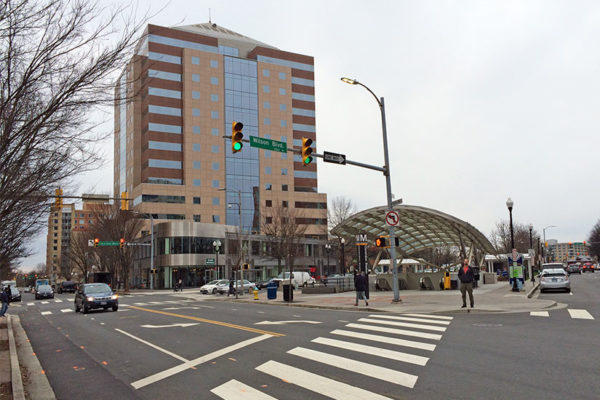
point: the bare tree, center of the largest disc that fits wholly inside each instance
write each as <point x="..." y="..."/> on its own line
<point x="340" y="209"/>
<point x="284" y="234"/>
<point x="594" y="240"/>
<point x="58" y="62"/>
<point x="500" y="237"/>
<point x="112" y="225"/>
<point x="82" y="255"/>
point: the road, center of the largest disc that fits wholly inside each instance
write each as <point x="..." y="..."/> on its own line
<point x="168" y="345"/>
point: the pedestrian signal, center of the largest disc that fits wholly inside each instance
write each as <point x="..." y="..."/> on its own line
<point x="380" y="242"/>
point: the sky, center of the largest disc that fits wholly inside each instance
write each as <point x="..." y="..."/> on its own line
<point x="484" y="100"/>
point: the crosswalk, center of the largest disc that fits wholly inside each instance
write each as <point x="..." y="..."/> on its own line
<point x="574" y="313"/>
<point x="403" y="336"/>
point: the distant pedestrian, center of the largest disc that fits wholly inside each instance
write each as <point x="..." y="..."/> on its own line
<point x="466" y="276"/>
<point x="231" y="289"/>
<point x="360" y="284"/>
<point x="5" y="297"/>
<point x="180" y="285"/>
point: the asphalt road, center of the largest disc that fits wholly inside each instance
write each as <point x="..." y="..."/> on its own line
<point x="182" y="346"/>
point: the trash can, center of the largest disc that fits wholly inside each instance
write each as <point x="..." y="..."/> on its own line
<point x="288" y="292"/>
<point x="271" y="291"/>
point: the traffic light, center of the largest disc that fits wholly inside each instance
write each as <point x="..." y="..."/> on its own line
<point x="306" y="151"/>
<point x="124" y="201"/>
<point x="380" y="242"/>
<point x="236" y="136"/>
<point x="121" y="242"/>
<point x="246" y="266"/>
<point x="96" y="242"/>
<point x="58" y="198"/>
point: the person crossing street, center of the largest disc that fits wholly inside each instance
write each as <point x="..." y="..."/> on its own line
<point x="466" y="277"/>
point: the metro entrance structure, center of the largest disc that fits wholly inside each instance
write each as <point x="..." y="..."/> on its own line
<point x="419" y="228"/>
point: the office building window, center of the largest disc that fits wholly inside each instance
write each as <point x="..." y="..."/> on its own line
<point x="266" y="105"/>
<point x="267" y="170"/>
<point x="282" y="107"/>
<point x="216" y="166"/>
<point x="196" y="164"/>
<point x="268" y="186"/>
<point x="269" y="203"/>
<point x="196" y="146"/>
<point x="267" y="154"/>
<point x="196" y="60"/>
<point x="266" y="89"/>
<point x="196" y="129"/>
<point x="283" y="123"/>
<point x="284" y="171"/>
<point x="282" y="75"/>
<point x="216" y="219"/>
<point x="266" y="73"/>
<point x="284" y="188"/>
<point x="284" y="203"/>
<point x="195" y="94"/>
<point x="214" y="148"/>
<point x="214" y="131"/>
<point x="214" y="63"/>
<point x="196" y="182"/>
<point x="197" y="200"/>
<point x="196" y="217"/>
<point x="216" y="183"/>
<point x="195" y="77"/>
<point x="214" y="114"/>
<point x="196" y="112"/>
<point x="267" y="121"/>
<point x="216" y="201"/>
<point x="214" y="80"/>
<point x="214" y="97"/>
<point x="281" y="91"/>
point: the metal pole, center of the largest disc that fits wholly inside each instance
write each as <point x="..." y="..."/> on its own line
<point x="151" y="252"/>
<point x="515" y="287"/>
<point x="531" y="257"/>
<point x="239" y="241"/>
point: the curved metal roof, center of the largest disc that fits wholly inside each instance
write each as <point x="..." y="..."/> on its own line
<point x="419" y="228"/>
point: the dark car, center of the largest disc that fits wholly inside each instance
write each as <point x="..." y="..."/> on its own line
<point x="574" y="268"/>
<point x="587" y="267"/>
<point x="67" y="286"/>
<point x="265" y="284"/>
<point x="44" y="292"/>
<point x="95" y="295"/>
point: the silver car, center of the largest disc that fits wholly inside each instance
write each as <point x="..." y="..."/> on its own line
<point x="554" y="279"/>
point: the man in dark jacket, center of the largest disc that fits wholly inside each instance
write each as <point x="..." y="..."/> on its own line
<point x="466" y="276"/>
<point x="5" y="297"/>
<point x="360" y="284"/>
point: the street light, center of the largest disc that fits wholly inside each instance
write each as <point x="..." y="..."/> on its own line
<point x="388" y="182"/>
<point x="217" y="245"/>
<point x="342" y="257"/>
<point x="327" y="250"/>
<point x="239" y="204"/>
<point x="509" y="205"/>
<point x="531" y="251"/>
<point x="544" y="246"/>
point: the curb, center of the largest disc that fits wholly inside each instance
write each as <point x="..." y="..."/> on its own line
<point x="15" y="371"/>
<point x="532" y="291"/>
<point x="38" y="386"/>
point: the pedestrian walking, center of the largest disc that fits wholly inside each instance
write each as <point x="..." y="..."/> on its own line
<point x="360" y="284"/>
<point x="231" y="289"/>
<point x="5" y="297"/>
<point x="180" y="285"/>
<point x="466" y="276"/>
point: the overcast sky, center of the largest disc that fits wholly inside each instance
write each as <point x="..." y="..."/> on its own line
<point x="485" y="100"/>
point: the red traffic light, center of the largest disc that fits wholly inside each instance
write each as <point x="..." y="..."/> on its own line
<point x="122" y="242"/>
<point x="96" y="242"/>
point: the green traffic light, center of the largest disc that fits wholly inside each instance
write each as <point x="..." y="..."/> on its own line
<point x="237" y="146"/>
<point x="307" y="160"/>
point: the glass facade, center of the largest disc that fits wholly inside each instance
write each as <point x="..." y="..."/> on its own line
<point x="242" y="169"/>
<point x="123" y="133"/>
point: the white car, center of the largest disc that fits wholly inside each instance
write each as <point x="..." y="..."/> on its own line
<point x="211" y="287"/>
<point x="298" y="279"/>
<point x="246" y="286"/>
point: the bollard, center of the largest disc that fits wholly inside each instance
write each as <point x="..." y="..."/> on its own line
<point x="255" y="294"/>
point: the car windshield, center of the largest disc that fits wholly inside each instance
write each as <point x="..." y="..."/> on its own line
<point x="99" y="288"/>
<point x="44" y="287"/>
<point x="213" y="282"/>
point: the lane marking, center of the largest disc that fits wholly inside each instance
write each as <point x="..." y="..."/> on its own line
<point x="57" y="300"/>
<point x="372" y="350"/>
<point x="200" y="360"/>
<point x="295" y="321"/>
<point x="539" y="314"/>
<point x="237" y="390"/>
<point x="404" y="324"/>
<point x="30" y="304"/>
<point x="152" y="345"/>
<point x="385" y="339"/>
<point x="45" y="302"/>
<point x="141" y="304"/>
<point x="66" y="310"/>
<point x="317" y="383"/>
<point x="46" y="312"/>
<point x="429" y="321"/>
<point x="430" y="316"/>
<point x="370" y="370"/>
<point x="423" y="335"/>
<point x="579" y="313"/>
<point x="209" y="321"/>
<point x="180" y="325"/>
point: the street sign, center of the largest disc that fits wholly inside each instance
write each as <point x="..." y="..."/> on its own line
<point x="334" y="158"/>
<point x="108" y="243"/>
<point x="361" y="239"/>
<point x="268" y="144"/>
<point x="90" y="242"/>
<point x="210" y="261"/>
<point x="392" y="218"/>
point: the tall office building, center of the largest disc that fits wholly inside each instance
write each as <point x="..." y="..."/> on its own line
<point x="174" y="108"/>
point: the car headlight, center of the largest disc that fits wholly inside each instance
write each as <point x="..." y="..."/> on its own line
<point x="90" y="298"/>
<point x="115" y="296"/>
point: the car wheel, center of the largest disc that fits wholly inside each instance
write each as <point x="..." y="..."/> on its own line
<point x="568" y="290"/>
<point x="85" y="308"/>
<point x="214" y="290"/>
<point x="115" y="308"/>
<point x="77" y="309"/>
<point x="105" y="308"/>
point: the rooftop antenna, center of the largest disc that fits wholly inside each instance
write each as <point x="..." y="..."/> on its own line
<point x="209" y="18"/>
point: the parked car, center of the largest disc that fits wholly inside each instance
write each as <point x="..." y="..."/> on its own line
<point x="554" y="279"/>
<point x="211" y="287"/>
<point x="95" y="295"/>
<point x="265" y="283"/>
<point x="552" y="266"/>
<point x="587" y="267"/>
<point x="44" y="292"/>
<point x="67" y="286"/>
<point x="298" y="279"/>
<point x="242" y="286"/>
<point x="573" y="268"/>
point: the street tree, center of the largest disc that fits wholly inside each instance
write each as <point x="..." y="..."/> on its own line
<point x="339" y="210"/>
<point x="594" y="240"/>
<point x="58" y="62"/>
<point x="284" y="234"/>
<point x="81" y="255"/>
<point x="500" y="237"/>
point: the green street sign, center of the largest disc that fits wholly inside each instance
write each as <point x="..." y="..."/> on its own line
<point x="210" y="261"/>
<point x="268" y="144"/>
<point x="108" y="243"/>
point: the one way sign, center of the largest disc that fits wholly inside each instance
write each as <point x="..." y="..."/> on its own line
<point x="334" y="158"/>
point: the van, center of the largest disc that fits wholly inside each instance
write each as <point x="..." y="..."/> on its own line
<point x="298" y="279"/>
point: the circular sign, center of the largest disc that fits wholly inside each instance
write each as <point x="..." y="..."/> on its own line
<point x="392" y="218"/>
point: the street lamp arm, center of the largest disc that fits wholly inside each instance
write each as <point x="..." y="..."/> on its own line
<point x="355" y="82"/>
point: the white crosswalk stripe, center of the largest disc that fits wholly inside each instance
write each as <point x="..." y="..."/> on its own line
<point x="430" y="316"/>
<point x="325" y="386"/>
<point x="579" y="313"/>
<point x="66" y="310"/>
<point x="46" y="312"/>
<point x="348" y="350"/>
<point x="57" y="300"/>
<point x="235" y="390"/>
<point x="539" y="314"/>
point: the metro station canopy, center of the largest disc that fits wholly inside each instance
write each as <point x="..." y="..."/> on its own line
<point x="419" y="228"/>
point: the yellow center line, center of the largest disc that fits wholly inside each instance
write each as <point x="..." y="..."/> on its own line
<point x="210" y="321"/>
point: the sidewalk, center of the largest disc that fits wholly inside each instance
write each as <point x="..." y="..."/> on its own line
<point x="490" y="298"/>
